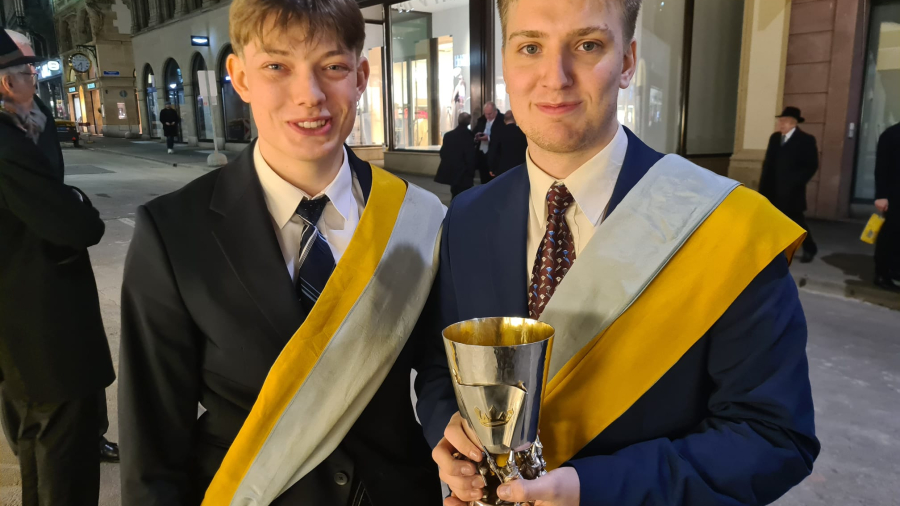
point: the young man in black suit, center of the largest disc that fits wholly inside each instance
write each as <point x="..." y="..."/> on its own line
<point x="792" y="158"/>
<point x="54" y="358"/>
<point x="458" y="161"/>
<point x="887" y="201"/>
<point x="279" y="292"/>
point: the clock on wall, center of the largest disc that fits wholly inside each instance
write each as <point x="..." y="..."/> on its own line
<point x="80" y="62"/>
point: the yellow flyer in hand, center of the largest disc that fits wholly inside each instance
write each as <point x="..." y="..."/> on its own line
<point x="870" y="233"/>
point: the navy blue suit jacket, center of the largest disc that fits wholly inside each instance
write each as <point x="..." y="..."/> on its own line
<point x="731" y="423"/>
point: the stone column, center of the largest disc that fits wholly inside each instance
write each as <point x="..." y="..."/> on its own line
<point x="763" y="57"/>
<point x="218" y="120"/>
<point x="157" y="12"/>
<point x="161" y="98"/>
<point x="182" y="7"/>
<point x="188" y="121"/>
<point x="145" y="114"/>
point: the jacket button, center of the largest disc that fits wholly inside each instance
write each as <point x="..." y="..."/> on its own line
<point x="341" y="479"/>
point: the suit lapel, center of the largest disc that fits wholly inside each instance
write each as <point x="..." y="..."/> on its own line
<point x="495" y="247"/>
<point x="363" y="172"/>
<point x="638" y="160"/>
<point x="244" y="231"/>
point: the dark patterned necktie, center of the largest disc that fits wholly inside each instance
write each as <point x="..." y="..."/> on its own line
<point x="316" y="260"/>
<point x="556" y="253"/>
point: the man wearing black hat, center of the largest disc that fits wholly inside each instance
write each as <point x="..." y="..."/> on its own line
<point x="54" y="357"/>
<point x="792" y="159"/>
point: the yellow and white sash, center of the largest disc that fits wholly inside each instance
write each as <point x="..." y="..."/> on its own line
<point x="660" y="270"/>
<point x="333" y="365"/>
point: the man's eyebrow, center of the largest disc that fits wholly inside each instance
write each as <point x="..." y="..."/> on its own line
<point x="283" y="52"/>
<point x="579" y="32"/>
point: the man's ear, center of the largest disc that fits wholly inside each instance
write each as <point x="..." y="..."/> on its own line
<point x="237" y="71"/>
<point x="629" y="64"/>
<point x="362" y="76"/>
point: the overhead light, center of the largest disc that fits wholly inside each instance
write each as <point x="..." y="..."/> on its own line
<point x="199" y="40"/>
<point x="173" y="86"/>
<point x="228" y="78"/>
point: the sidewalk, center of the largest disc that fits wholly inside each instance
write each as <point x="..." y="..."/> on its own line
<point x="844" y="265"/>
<point x="154" y="150"/>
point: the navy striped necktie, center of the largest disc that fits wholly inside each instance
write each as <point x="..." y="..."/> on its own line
<point x="316" y="260"/>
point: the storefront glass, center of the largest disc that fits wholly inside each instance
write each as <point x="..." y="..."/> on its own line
<point x="430" y="71"/>
<point x="175" y="92"/>
<point x="152" y="104"/>
<point x="368" y="130"/>
<point x="881" y="98"/>
<point x="202" y="111"/>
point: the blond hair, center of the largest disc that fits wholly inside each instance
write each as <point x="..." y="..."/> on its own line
<point x="250" y="20"/>
<point x="628" y="8"/>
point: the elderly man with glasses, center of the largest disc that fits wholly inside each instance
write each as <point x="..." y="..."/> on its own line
<point x="54" y="357"/>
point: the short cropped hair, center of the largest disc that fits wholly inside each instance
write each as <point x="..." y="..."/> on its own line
<point x="465" y="119"/>
<point x="629" y="10"/>
<point x="341" y="19"/>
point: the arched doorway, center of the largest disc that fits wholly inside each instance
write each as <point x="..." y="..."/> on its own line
<point x="152" y="103"/>
<point x="202" y="109"/>
<point x="235" y="111"/>
<point x="175" y="91"/>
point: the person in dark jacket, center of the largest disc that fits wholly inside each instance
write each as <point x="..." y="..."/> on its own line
<point x="792" y="158"/>
<point x="170" y="121"/>
<point x="510" y="146"/>
<point x="486" y="128"/>
<point x="887" y="201"/>
<point x="458" y="160"/>
<point x="54" y="357"/>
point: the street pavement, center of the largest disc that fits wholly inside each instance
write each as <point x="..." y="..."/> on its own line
<point x="854" y="346"/>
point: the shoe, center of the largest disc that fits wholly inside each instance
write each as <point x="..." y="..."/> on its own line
<point x="171" y="151"/>
<point x="109" y="451"/>
<point x="885" y="283"/>
<point x="807" y="257"/>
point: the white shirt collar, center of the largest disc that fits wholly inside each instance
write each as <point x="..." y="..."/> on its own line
<point x="788" y="135"/>
<point x="595" y="177"/>
<point x="282" y="198"/>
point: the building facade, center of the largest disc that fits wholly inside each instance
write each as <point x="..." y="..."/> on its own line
<point x="711" y="76"/>
<point x="97" y="62"/>
<point x="839" y="62"/>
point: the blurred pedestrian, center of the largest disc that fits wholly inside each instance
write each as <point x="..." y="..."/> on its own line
<point x="792" y="158"/>
<point x="887" y="201"/>
<point x="487" y="126"/>
<point x="170" y="120"/>
<point x="54" y="357"/>
<point x="510" y="146"/>
<point x="458" y="160"/>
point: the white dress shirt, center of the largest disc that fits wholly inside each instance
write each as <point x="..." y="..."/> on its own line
<point x="487" y="131"/>
<point x="339" y="218"/>
<point x="788" y="135"/>
<point x="591" y="185"/>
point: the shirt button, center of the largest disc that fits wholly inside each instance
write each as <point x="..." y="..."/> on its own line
<point x="341" y="479"/>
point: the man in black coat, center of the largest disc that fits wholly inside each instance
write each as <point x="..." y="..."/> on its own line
<point x="887" y="201"/>
<point x="486" y="128"/>
<point x="458" y="160"/>
<point x="170" y="120"/>
<point x="792" y="159"/>
<point x="54" y="357"/>
<point x="509" y="147"/>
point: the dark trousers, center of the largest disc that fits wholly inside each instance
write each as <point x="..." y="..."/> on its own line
<point x="484" y="169"/>
<point x="809" y="245"/>
<point x="170" y="142"/>
<point x="456" y="189"/>
<point x="887" y="247"/>
<point x="102" y="413"/>
<point x="56" y="444"/>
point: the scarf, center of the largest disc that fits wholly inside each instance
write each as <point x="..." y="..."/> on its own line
<point x="31" y="122"/>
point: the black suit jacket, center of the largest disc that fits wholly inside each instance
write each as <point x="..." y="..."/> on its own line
<point x="207" y="306"/>
<point x="508" y="149"/>
<point x="887" y="166"/>
<point x="48" y="142"/>
<point x="53" y="345"/>
<point x="787" y="169"/>
<point x="458" y="162"/>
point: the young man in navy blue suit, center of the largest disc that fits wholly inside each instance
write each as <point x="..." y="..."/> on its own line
<point x="678" y="374"/>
